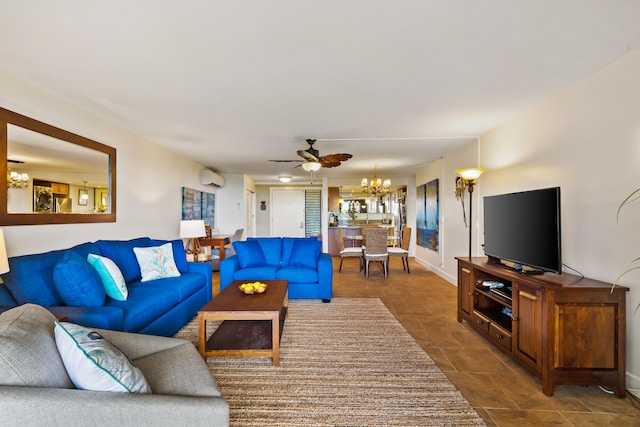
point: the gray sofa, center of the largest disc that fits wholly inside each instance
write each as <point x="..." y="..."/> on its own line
<point x="35" y="389"/>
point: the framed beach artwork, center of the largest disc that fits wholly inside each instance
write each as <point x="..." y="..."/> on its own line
<point x="198" y="205"/>
<point x="428" y="215"/>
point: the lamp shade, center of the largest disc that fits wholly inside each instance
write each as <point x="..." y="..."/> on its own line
<point x="192" y="228"/>
<point x="4" y="261"/>
<point x="470" y="174"/>
<point x="311" y="166"/>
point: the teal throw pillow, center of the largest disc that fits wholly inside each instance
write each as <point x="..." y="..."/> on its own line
<point x="95" y="364"/>
<point x="305" y="253"/>
<point x="77" y="282"/>
<point x="111" y="276"/>
<point x="156" y="262"/>
<point x="249" y="254"/>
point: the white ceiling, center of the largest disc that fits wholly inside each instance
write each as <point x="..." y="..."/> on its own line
<point x="233" y="84"/>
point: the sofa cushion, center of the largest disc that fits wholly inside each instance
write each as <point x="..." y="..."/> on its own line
<point x="121" y="252"/>
<point x="265" y="272"/>
<point x="156" y="262"/>
<point x="271" y="248"/>
<point x="249" y="253"/>
<point x="145" y="305"/>
<point x="30" y="278"/>
<point x="186" y="284"/>
<point x="297" y="274"/>
<point x="111" y="277"/>
<point x="92" y="317"/>
<point x="93" y="363"/>
<point x="178" y="371"/>
<point x="6" y="299"/>
<point x="29" y="356"/>
<point x="179" y="254"/>
<point x="77" y="282"/>
<point x="305" y="253"/>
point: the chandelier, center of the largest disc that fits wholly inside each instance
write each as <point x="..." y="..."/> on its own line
<point x="17" y="180"/>
<point x="376" y="185"/>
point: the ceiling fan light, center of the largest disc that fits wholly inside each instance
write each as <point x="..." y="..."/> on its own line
<point x="284" y="178"/>
<point x="311" y="166"/>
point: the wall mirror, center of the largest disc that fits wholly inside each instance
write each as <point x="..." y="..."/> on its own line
<point x="53" y="176"/>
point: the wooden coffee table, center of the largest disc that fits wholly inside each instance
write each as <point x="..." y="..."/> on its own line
<point x="252" y="324"/>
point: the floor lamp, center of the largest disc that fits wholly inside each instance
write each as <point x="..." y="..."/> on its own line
<point x="469" y="177"/>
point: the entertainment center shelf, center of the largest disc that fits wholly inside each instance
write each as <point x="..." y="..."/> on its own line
<point x="565" y="328"/>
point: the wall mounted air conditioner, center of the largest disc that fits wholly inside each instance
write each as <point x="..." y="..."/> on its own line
<point x="209" y="177"/>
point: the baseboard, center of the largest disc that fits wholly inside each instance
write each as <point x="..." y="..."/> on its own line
<point x="438" y="271"/>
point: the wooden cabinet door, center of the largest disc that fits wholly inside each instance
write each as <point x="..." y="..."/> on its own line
<point x="465" y="291"/>
<point x="528" y="333"/>
<point x="334" y="199"/>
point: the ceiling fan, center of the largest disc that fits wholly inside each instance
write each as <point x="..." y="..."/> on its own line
<point x="312" y="156"/>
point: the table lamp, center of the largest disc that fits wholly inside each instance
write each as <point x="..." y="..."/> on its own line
<point x="191" y="230"/>
<point x="4" y="261"/>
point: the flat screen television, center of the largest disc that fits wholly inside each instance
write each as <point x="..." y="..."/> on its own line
<point x="524" y="228"/>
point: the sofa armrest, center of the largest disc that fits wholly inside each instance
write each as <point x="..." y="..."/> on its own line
<point x="136" y="346"/>
<point x="325" y="276"/>
<point x="228" y="267"/>
<point x="205" y="269"/>
<point x="32" y="406"/>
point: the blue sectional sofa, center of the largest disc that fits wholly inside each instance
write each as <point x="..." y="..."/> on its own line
<point x="298" y="260"/>
<point x="156" y="307"/>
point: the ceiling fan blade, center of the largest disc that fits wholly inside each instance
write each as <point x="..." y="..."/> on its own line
<point x="307" y="155"/>
<point x="286" y="161"/>
<point x="333" y="160"/>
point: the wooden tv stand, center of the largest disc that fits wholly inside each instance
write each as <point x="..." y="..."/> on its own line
<point x="564" y="328"/>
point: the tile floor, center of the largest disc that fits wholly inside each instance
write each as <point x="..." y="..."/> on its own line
<point x="503" y="393"/>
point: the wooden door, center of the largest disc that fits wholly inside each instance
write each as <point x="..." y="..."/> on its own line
<point x="527" y="312"/>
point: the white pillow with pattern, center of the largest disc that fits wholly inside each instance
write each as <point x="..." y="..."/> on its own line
<point x="156" y="262"/>
<point x="93" y="363"/>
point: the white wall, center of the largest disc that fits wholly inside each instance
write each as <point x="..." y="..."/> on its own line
<point x="230" y="203"/>
<point x="586" y="140"/>
<point x="150" y="178"/>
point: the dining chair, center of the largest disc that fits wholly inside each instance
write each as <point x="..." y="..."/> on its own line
<point x="376" y="249"/>
<point x="228" y="249"/>
<point x="236" y="236"/>
<point x="348" y="252"/>
<point x="403" y="250"/>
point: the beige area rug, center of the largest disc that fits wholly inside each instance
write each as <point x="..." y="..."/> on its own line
<point x="346" y="363"/>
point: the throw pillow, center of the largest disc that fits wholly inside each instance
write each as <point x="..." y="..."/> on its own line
<point x="305" y="253"/>
<point x="179" y="254"/>
<point x="112" y="280"/>
<point x="77" y="282"/>
<point x="121" y="253"/>
<point x="156" y="262"/>
<point x="249" y="254"/>
<point x="95" y="364"/>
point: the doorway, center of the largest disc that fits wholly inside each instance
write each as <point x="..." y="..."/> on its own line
<point x="287" y="212"/>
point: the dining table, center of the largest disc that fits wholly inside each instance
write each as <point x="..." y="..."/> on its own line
<point x="216" y="240"/>
<point x="393" y="240"/>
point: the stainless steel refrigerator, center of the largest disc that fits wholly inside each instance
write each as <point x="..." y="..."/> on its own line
<point x="62" y="204"/>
